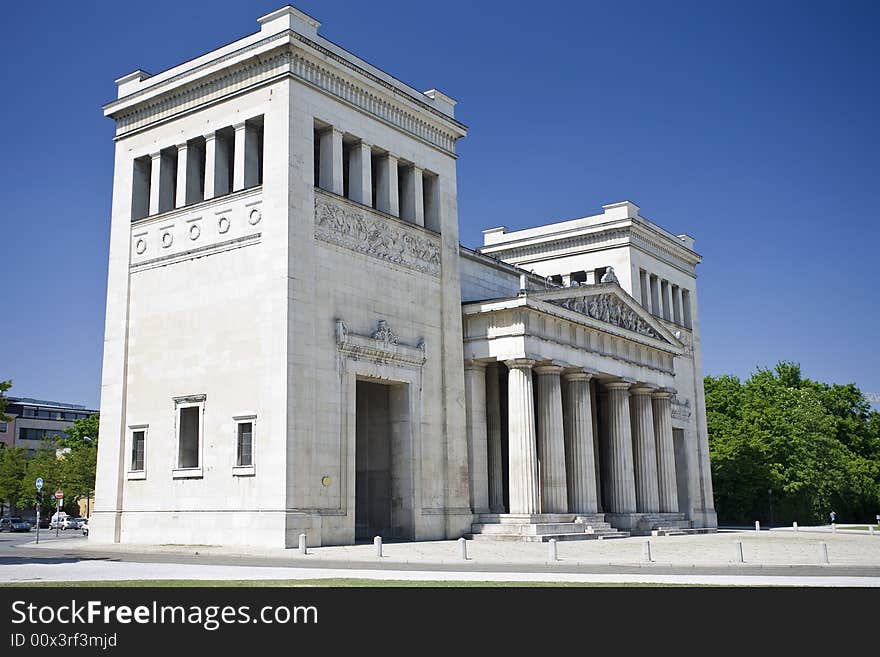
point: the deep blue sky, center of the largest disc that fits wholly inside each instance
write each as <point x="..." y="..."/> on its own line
<point x="752" y="126"/>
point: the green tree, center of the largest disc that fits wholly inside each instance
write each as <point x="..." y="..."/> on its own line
<point x="803" y="447"/>
<point x="4" y="386"/>
<point x="43" y="464"/>
<point x="13" y="463"/>
<point x="83" y="432"/>
<point x="78" y="472"/>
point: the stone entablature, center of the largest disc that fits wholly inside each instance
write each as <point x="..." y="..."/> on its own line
<point x="364" y="230"/>
<point x="292" y="54"/>
<point x="608" y="308"/>
<point x="382" y="346"/>
<point x="595" y="238"/>
<point x="534" y="318"/>
<point x="198" y="230"/>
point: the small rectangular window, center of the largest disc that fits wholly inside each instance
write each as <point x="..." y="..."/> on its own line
<point x="188" y="446"/>
<point x="3" y="427"/>
<point x="137" y="450"/>
<point x="245" y="453"/>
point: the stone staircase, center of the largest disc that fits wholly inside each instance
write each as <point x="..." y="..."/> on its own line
<point x="542" y="527"/>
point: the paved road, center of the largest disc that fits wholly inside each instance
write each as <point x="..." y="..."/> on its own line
<point x="778" y="560"/>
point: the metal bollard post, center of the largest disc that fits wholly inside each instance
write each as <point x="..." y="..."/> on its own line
<point x="823" y="552"/>
<point x="302" y="544"/>
<point x="378" y="543"/>
<point x="462" y="548"/>
<point x="794" y="524"/>
<point x="757" y="525"/>
<point x="833" y="527"/>
<point x="551" y="544"/>
<point x="646" y="551"/>
<point x="738" y="552"/>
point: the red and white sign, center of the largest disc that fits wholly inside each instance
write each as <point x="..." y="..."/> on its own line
<point x="59" y="495"/>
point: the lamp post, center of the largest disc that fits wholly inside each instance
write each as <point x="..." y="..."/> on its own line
<point x="770" y="498"/>
<point x="89" y="493"/>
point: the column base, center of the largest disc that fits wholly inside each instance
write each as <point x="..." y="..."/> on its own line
<point x="704" y="518"/>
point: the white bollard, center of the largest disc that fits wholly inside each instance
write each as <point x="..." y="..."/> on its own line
<point x="833" y="527"/>
<point x="302" y="544"/>
<point x="646" y="551"/>
<point x="462" y="548"/>
<point x="589" y="529"/>
<point x="738" y="552"/>
<point x="794" y="524"/>
<point x="378" y="543"/>
<point x="823" y="552"/>
<point x="551" y="544"/>
<point x="757" y="525"/>
<point x="871" y="530"/>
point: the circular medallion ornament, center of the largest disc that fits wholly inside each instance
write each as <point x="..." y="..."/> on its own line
<point x="325" y="481"/>
<point x="194" y="232"/>
<point x="223" y="224"/>
<point x="167" y="239"/>
<point x="254" y="217"/>
<point x="140" y="246"/>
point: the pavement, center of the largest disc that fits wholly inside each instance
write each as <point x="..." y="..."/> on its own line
<point x="770" y="558"/>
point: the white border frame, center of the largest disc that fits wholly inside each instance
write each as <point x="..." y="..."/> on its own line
<point x="244" y="470"/>
<point x="180" y="403"/>
<point x="129" y="446"/>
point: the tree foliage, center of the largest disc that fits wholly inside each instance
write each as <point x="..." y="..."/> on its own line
<point x="784" y="445"/>
<point x="4" y="386"/>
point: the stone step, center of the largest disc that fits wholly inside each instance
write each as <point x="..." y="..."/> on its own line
<point x="537" y="529"/>
<point x="683" y="531"/>
<point x="543" y="538"/>
<point x="525" y="518"/>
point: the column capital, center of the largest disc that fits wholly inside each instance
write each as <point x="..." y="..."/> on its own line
<point x="210" y="136"/>
<point x="548" y="368"/>
<point x="520" y="363"/>
<point x="641" y="389"/>
<point x="181" y="147"/>
<point x="662" y="393"/>
<point x="238" y="126"/>
<point x="156" y="155"/>
<point x="365" y="144"/>
<point x="391" y="156"/>
<point x="577" y="375"/>
<point x="334" y="129"/>
<point x="618" y="385"/>
<point x="474" y="364"/>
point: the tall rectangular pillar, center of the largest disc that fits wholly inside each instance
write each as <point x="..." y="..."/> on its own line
<point x="182" y="171"/>
<point x="412" y="199"/>
<point x="155" y="173"/>
<point x="330" y="170"/>
<point x="239" y="157"/>
<point x="386" y="186"/>
<point x="493" y="431"/>
<point x="477" y="438"/>
<point x="360" y="174"/>
<point x="210" y="165"/>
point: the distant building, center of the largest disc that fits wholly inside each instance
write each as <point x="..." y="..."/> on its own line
<point x="33" y="422"/>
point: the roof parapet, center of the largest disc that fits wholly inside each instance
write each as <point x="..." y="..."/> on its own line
<point x="288" y="18"/>
<point x="129" y="83"/>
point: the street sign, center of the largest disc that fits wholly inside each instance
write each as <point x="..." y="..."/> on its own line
<point x="59" y="495"/>
<point x="39" y="483"/>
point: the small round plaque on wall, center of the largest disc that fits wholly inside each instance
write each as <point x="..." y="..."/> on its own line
<point x="325" y="481"/>
<point x="140" y="246"/>
<point x="194" y="232"/>
<point x="223" y="224"/>
<point x="167" y="239"/>
<point x="254" y="217"/>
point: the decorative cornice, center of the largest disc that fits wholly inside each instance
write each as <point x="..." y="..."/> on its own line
<point x="288" y="61"/>
<point x="360" y="229"/>
<point x="381" y="346"/>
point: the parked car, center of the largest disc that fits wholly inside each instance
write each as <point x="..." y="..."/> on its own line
<point x="58" y="520"/>
<point x="85" y="527"/>
<point x="14" y="524"/>
<point x="71" y="523"/>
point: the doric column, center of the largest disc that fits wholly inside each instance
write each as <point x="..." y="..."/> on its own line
<point x="676" y="304"/>
<point x="667" y="300"/>
<point x="330" y="170"/>
<point x="413" y="208"/>
<point x="182" y="170"/>
<point x="654" y="285"/>
<point x="580" y="459"/>
<point x="360" y="174"/>
<point x="523" y="456"/>
<point x="386" y="186"/>
<point x="644" y="449"/>
<point x="551" y="440"/>
<point x="239" y="157"/>
<point x="155" y="179"/>
<point x="668" y="482"/>
<point x="620" y="480"/>
<point x="475" y="407"/>
<point x="493" y="431"/>
<point x="210" y="164"/>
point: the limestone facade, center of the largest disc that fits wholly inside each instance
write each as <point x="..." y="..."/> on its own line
<point x="297" y="343"/>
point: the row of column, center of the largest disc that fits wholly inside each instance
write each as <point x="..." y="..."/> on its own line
<point x="552" y="457"/>
<point x="400" y="191"/>
<point x="218" y="163"/>
<point x="665" y="299"/>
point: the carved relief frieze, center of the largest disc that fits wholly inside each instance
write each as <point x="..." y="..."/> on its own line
<point x="681" y="410"/>
<point x="373" y="234"/>
<point x="609" y="309"/>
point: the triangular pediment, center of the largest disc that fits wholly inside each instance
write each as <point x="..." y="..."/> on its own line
<point x="609" y="304"/>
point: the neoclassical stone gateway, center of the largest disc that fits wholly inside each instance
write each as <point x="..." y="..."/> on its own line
<point x="297" y="343"/>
